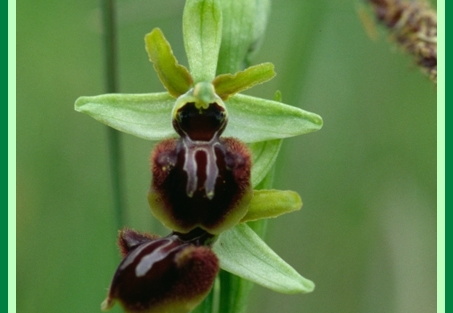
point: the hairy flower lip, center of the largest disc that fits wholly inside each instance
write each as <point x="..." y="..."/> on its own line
<point x="169" y="274"/>
<point x="205" y="185"/>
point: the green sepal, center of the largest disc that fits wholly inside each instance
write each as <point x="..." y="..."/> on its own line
<point x="264" y="154"/>
<point x="175" y="77"/>
<point x="202" y="29"/>
<point x="254" y="119"/>
<point x="227" y="85"/>
<point x="271" y="203"/>
<point x="147" y="116"/>
<point x="245" y="254"/>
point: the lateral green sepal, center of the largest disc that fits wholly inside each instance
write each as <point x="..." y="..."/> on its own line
<point x="245" y="254"/>
<point x="254" y="119"/>
<point x="147" y="116"/>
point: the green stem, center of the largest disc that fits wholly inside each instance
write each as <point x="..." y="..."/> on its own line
<point x="116" y="174"/>
<point x="244" y="24"/>
<point x="111" y="81"/>
<point x="211" y="302"/>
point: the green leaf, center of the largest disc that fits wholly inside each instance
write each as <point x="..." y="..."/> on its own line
<point x="264" y="154"/>
<point x="202" y="28"/>
<point x="227" y="85"/>
<point x="254" y="119"/>
<point x="144" y="115"/>
<point x="244" y="253"/>
<point x="272" y="203"/>
<point x="175" y="77"/>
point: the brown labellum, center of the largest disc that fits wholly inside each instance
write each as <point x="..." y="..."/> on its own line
<point x="200" y="179"/>
<point x="163" y="275"/>
<point x="200" y="184"/>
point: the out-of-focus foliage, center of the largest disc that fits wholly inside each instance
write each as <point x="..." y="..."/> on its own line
<point x="367" y="232"/>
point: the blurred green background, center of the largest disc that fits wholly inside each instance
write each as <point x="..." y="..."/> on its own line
<point x="367" y="232"/>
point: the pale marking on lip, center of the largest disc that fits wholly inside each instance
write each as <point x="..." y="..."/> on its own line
<point x="146" y="263"/>
<point x="131" y="257"/>
<point x="190" y="165"/>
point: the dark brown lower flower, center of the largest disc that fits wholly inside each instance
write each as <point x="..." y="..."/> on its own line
<point x="165" y="275"/>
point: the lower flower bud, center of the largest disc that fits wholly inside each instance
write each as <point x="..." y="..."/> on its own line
<point x="165" y="275"/>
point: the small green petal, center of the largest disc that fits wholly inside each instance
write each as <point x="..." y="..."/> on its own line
<point x="245" y="254"/>
<point x="202" y="28"/>
<point x="254" y="119"/>
<point x="272" y="203"/>
<point x="227" y="85"/>
<point x="175" y="77"/>
<point x="147" y="116"/>
<point x="264" y="154"/>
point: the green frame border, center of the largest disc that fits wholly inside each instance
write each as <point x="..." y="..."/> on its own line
<point x="441" y="156"/>
<point x="9" y="112"/>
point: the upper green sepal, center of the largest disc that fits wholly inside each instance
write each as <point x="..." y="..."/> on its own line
<point x="175" y="77"/>
<point x="202" y="29"/>
<point x="245" y="254"/>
